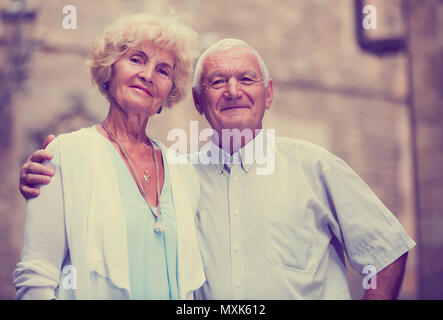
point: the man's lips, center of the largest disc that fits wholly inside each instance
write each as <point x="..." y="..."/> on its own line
<point x="233" y="107"/>
<point x="145" y="90"/>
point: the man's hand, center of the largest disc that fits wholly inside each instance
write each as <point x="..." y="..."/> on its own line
<point x="33" y="173"/>
<point x="388" y="281"/>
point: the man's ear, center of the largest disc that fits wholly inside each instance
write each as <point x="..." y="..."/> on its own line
<point x="269" y="94"/>
<point x="197" y="103"/>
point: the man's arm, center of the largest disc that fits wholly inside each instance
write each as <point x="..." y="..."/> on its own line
<point x="33" y="173"/>
<point x="388" y="281"/>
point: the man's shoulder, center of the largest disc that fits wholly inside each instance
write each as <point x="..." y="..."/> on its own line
<point x="308" y="155"/>
<point x="300" y="148"/>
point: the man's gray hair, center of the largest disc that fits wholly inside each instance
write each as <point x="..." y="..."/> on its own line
<point x="223" y="45"/>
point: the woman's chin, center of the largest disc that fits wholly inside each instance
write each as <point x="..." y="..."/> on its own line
<point x="139" y="106"/>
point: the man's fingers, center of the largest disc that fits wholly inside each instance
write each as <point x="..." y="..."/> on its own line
<point x="29" y="192"/>
<point x="39" y="169"/>
<point x="34" y="179"/>
<point x="34" y="173"/>
<point x="48" y="141"/>
<point x="40" y="156"/>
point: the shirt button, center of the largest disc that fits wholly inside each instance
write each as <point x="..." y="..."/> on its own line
<point x="237" y="285"/>
<point x="235" y="212"/>
<point x="235" y="179"/>
<point x="237" y="249"/>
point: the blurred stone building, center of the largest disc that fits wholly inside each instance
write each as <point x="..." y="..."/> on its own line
<point x="373" y="97"/>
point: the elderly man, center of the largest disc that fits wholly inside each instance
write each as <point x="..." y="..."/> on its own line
<point x="281" y="234"/>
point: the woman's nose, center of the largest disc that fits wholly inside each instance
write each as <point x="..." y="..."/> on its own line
<point x="147" y="73"/>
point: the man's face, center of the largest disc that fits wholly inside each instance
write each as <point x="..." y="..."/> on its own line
<point x="233" y="94"/>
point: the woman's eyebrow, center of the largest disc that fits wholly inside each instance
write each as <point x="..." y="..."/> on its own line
<point x="145" y="56"/>
<point x="140" y="53"/>
<point x="165" y="64"/>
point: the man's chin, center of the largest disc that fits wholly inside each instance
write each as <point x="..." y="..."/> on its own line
<point x="242" y="127"/>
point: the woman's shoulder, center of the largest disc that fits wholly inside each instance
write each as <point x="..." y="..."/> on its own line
<point x="75" y="144"/>
<point x="68" y="138"/>
<point x="80" y="135"/>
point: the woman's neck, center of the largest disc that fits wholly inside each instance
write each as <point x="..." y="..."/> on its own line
<point x="128" y="128"/>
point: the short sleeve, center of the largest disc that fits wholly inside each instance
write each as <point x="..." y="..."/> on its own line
<point x="368" y="231"/>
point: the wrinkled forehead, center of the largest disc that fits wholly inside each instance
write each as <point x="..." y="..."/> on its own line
<point x="150" y="48"/>
<point x="233" y="61"/>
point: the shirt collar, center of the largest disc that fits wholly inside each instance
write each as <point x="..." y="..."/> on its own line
<point x="246" y="156"/>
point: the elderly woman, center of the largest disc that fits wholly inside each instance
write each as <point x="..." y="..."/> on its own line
<point x="116" y="221"/>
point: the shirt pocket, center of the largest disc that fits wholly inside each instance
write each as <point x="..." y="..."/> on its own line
<point x="289" y="238"/>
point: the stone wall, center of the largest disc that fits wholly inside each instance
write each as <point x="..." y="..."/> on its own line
<point x="426" y="54"/>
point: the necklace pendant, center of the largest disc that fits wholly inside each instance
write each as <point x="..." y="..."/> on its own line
<point x="147" y="177"/>
<point x="159" y="227"/>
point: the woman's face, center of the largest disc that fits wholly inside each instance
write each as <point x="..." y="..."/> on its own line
<point x="142" y="79"/>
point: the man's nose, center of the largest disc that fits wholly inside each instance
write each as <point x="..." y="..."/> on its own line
<point x="233" y="90"/>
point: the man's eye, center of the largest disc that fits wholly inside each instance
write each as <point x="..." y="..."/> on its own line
<point x="218" y="83"/>
<point x="247" y="80"/>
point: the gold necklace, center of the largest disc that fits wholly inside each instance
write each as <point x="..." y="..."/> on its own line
<point x="146" y="176"/>
<point x="159" y="226"/>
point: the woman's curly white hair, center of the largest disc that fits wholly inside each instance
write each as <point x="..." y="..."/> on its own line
<point x="131" y="31"/>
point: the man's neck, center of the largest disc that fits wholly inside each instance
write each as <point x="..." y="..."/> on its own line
<point x="233" y="140"/>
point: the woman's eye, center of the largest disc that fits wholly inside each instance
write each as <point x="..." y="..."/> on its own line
<point x="136" y="59"/>
<point x="164" y="72"/>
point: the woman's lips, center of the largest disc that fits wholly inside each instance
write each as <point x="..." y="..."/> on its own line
<point x="142" y="89"/>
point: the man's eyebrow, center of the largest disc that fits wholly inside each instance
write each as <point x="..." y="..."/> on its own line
<point x="215" y="75"/>
<point x="249" y="73"/>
